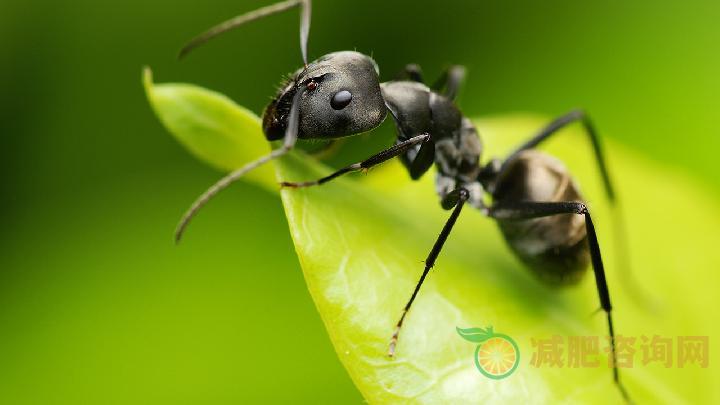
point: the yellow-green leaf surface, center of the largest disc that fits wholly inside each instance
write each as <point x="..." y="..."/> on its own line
<point x="361" y="241"/>
<point x="210" y="125"/>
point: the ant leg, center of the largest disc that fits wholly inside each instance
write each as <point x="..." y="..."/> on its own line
<point x="411" y="71"/>
<point x="556" y="125"/>
<point x="450" y="81"/>
<point x="447" y="84"/>
<point x="419" y="162"/>
<point x="620" y="237"/>
<point x="528" y="210"/>
<point x="456" y="198"/>
<point x="366" y="164"/>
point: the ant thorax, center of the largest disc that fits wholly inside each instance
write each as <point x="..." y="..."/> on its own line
<point x="457" y="160"/>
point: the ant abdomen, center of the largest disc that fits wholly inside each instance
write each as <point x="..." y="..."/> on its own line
<point x="555" y="247"/>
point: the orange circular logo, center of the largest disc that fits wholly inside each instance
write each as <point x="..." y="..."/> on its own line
<point x="496" y="356"/>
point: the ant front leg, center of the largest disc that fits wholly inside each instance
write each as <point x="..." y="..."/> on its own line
<point x="528" y="210"/>
<point x="456" y="198"/>
<point x="366" y="164"/>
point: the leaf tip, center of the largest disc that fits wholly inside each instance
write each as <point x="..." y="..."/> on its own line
<point x="147" y="79"/>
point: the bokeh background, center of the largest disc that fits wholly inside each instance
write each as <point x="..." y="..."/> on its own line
<point x="96" y="303"/>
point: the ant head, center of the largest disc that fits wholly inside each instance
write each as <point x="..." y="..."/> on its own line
<point x="340" y="91"/>
<point x="341" y="97"/>
<point x="336" y="95"/>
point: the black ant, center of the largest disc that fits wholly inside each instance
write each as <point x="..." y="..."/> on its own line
<point x="535" y="202"/>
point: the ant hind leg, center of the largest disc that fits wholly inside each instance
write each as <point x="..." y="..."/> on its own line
<point x="528" y="210"/>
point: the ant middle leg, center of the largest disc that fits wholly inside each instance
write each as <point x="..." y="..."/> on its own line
<point x="456" y="198"/>
<point x="366" y="164"/>
<point x="528" y="210"/>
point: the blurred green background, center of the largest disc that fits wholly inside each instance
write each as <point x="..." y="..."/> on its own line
<point x="96" y="303"/>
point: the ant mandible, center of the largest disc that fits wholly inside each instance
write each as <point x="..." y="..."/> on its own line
<point x="340" y="94"/>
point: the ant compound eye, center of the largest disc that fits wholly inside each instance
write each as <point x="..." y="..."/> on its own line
<point x="341" y="99"/>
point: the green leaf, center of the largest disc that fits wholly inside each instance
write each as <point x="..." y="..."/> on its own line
<point x="361" y="239"/>
<point x="477" y="335"/>
<point x="210" y="125"/>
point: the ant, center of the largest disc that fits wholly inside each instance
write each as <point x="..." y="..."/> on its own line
<point x="536" y="204"/>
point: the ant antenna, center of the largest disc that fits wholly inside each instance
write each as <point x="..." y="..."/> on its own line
<point x="305" y="13"/>
<point x="252" y="16"/>
<point x="291" y="135"/>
